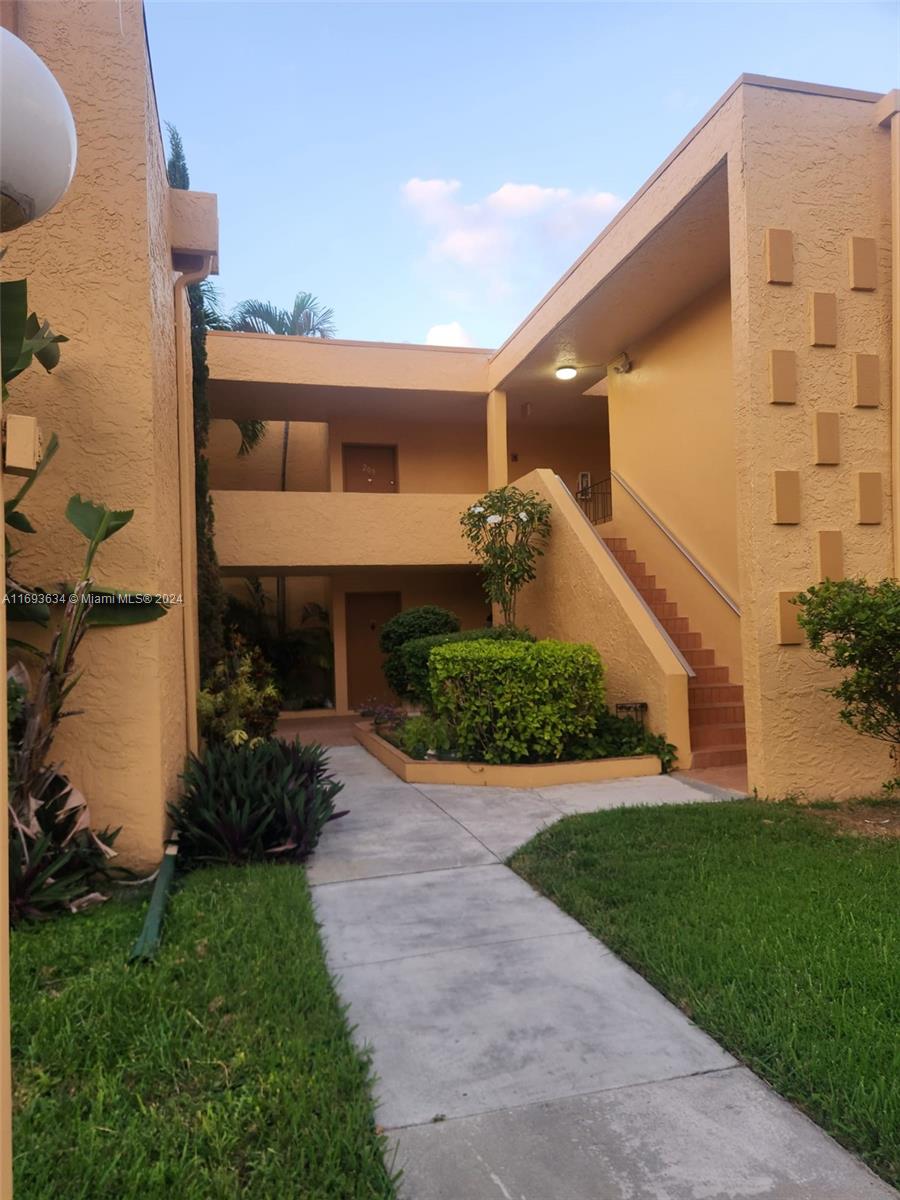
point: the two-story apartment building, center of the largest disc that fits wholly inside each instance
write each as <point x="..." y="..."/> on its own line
<point x="705" y="397"/>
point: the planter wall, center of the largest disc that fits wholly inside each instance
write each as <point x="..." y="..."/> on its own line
<point x="521" y="775"/>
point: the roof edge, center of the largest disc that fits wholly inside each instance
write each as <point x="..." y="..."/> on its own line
<point x="366" y="345"/>
<point x="745" y="80"/>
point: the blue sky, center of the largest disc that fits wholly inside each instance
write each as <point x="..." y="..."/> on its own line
<point x="430" y="169"/>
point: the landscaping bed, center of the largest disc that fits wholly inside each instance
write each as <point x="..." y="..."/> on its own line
<point x="224" y="1070"/>
<point x="515" y="775"/>
<point x="773" y="929"/>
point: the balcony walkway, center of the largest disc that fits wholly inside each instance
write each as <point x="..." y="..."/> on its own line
<point x="516" y="1056"/>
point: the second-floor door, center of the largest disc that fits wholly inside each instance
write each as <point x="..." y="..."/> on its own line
<point x="370" y="468"/>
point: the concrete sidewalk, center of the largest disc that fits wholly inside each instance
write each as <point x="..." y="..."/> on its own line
<point x="517" y="1057"/>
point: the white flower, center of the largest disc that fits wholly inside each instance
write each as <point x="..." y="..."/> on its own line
<point x="494" y="520"/>
<point x="523" y="516"/>
<point x="477" y="508"/>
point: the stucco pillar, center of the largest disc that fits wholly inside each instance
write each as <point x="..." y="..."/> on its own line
<point x="497" y="456"/>
<point x="339" y="633"/>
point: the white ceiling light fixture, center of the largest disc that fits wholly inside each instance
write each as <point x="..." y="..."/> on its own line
<point x="37" y="136"/>
<point x="565" y="373"/>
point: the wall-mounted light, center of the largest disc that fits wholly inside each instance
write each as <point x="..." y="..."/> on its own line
<point x="566" y="372"/>
<point x="37" y="135"/>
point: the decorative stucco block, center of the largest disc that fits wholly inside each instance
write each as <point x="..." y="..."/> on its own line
<point x="866" y="380"/>
<point x="823" y="318"/>
<point x="779" y="256"/>
<point x="831" y="554"/>
<point x="782" y="377"/>
<point x="863" y="264"/>
<point x="827" y="438"/>
<point x="786" y="489"/>
<point x="789" y="631"/>
<point x="868" y="498"/>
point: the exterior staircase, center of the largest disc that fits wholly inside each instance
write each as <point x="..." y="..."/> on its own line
<point x="716" y="706"/>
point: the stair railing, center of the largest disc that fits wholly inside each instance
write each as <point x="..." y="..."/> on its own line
<point x="679" y="545"/>
<point x="596" y="501"/>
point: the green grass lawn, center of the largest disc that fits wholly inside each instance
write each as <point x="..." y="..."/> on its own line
<point x="769" y="928"/>
<point x="226" y="1070"/>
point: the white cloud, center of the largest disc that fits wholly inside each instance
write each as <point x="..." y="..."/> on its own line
<point x="507" y="225"/>
<point x="451" y="334"/>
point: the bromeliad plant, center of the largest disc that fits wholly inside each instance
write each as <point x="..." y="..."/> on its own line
<point x="248" y="803"/>
<point x="507" y="530"/>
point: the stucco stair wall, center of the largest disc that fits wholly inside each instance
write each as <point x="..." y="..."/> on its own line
<point x="715" y="704"/>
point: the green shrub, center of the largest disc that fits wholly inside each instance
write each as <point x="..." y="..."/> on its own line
<point x="513" y="701"/>
<point x="418" y="735"/>
<point x="406" y="670"/>
<point x="855" y="626"/>
<point x="416" y="623"/>
<point x="622" y="737"/>
<point x="240" y="702"/>
<point x="248" y="802"/>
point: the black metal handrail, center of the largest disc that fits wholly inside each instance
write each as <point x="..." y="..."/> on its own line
<point x="596" y="501"/>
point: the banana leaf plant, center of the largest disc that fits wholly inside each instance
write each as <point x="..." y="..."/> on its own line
<point x="23" y="335"/>
<point x="82" y="606"/>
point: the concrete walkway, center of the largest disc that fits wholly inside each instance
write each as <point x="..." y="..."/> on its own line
<point x="517" y="1057"/>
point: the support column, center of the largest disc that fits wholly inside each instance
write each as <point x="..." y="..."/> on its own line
<point x="497" y="455"/>
<point x="339" y="634"/>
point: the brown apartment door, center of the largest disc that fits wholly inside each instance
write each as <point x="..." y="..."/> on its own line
<point x="370" y="468"/>
<point x="366" y="613"/>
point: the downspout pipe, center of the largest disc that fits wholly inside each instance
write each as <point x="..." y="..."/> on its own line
<point x="887" y="116"/>
<point x="193" y="269"/>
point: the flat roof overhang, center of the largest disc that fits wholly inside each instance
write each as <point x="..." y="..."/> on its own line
<point x="270" y="377"/>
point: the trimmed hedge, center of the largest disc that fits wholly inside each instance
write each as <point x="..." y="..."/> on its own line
<point x="516" y="701"/>
<point x="406" y="670"/>
<point x="416" y="623"/>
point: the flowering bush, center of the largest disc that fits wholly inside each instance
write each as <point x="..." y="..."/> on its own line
<point x="506" y="530"/>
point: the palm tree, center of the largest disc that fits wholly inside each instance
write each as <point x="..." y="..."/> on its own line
<point x="308" y="318"/>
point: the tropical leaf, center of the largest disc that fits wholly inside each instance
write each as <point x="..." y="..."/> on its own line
<point x="116" y="606"/>
<point x="252" y="433"/>
<point x="96" y="521"/>
<point x="13" y="317"/>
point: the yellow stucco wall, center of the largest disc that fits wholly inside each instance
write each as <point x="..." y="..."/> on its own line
<point x="826" y="186"/>
<point x="679" y="394"/>
<point x="566" y="448"/>
<point x="581" y="595"/>
<point x="329" y="530"/>
<point x="432" y="456"/>
<point x="671" y="431"/>
<point x="98" y="268"/>
<point x="307" y="459"/>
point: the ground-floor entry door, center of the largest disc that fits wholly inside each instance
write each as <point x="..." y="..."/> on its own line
<point x="366" y="613"/>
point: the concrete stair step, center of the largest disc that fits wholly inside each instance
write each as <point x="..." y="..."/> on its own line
<point x="718" y="737"/>
<point x="716" y="714"/>
<point x="718" y="758"/>
<point x="675" y="626"/>
<point x="664" y="609"/>
<point x="704" y="658"/>
<point x="708" y="675"/>
<point x="723" y="693"/>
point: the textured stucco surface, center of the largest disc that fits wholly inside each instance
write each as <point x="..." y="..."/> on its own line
<point x="678" y="394"/>
<point x="339" y="529"/>
<point x="262" y="358"/>
<point x="581" y="595"/>
<point x="98" y="269"/>
<point x="260" y="471"/>
<point x="817" y="166"/>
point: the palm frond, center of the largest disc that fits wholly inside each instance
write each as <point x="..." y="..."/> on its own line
<point x="310" y="319"/>
<point x="252" y="433"/>
<point x="260" y="316"/>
